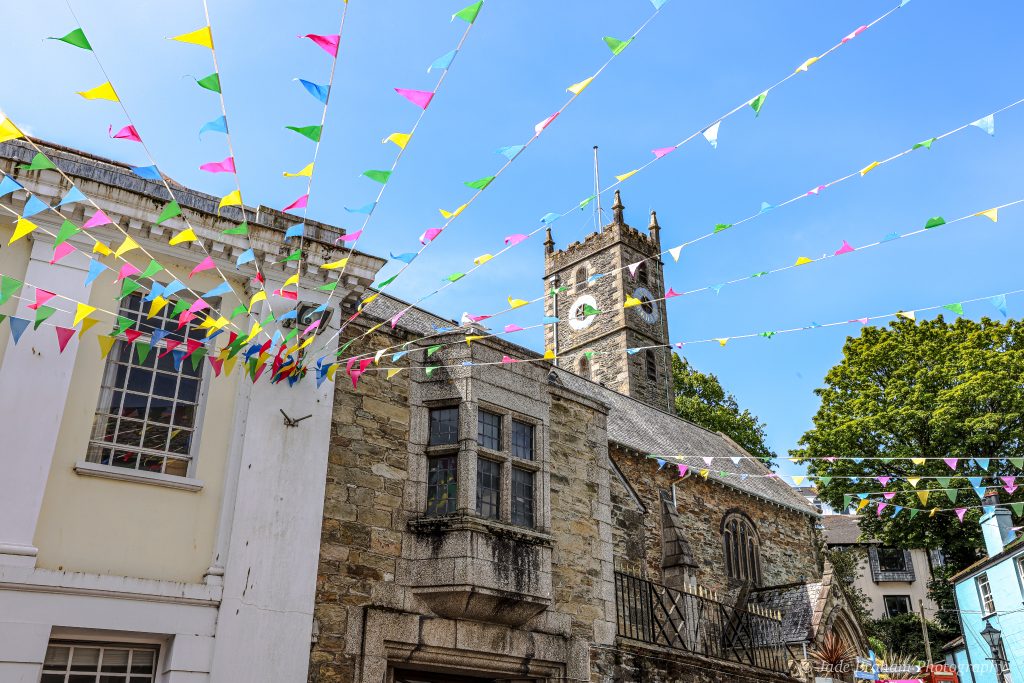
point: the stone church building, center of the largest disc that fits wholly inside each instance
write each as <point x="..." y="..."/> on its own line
<point x="517" y="521"/>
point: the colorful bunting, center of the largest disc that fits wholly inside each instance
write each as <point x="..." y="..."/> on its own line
<point x="201" y="37"/>
<point x="420" y="98"/>
<point x="100" y="92"/>
<point x="76" y="38"/>
<point x="328" y="43"/>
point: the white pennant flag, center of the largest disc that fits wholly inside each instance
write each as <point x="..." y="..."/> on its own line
<point x="632" y="268"/>
<point x="675" y="251"/>
<point x="711" y="134"/>
<point x="986" y="123"/>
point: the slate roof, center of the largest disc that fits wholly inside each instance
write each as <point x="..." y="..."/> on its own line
<point x="843" y="530"/>
<point x="796" y="602"/>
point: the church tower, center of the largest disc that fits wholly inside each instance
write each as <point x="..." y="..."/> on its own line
<point x="595" y="274"/>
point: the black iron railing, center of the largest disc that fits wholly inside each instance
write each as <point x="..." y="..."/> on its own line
<point x="697" y="623"/>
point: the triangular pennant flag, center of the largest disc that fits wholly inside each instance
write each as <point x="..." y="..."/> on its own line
<point x="991" y="214"/>
<point x="757" y="103"/>
<point x="927" y="144"/>
<point x="60" y="251"/>
<point x="18" y="327"/>
<point x="76" y="38"/>
<point x="469" y="14"/>
<point x="320" y="92"/>
<point x="311" y="132"/>
<point x="803" y="260"/>
<point x="225" y="166"/>
<point x="100" y="92"/>
<point x="39" y="163"/>
<point x="807" y="63"/>
<point x="999" y="301"/>
<point x="577" y="88"/>
<point x="64" y="335"/>
<point x="381" y="177"/>
<point x="442" y="62"/>
<point x="616" y="45"/>
<point x="421" y="98"/>
<point x="675" y="251"/>
<point x="230" y="199"/>
<point x="8" y="131"/>
<point x="201" y="37"/>
<point x="99" y="218"/>
<point x="845" y="249"/>
<point x="624" y="176"/>
<point x="206" y="264"/>
<point x="211" y="82"/>
<point x="22" y="228"/>
<point x="8" y="184"/>
<point x="329" y="44"/>
<point x="934" y="222"/>
<point x="909" y="315"/>
<point x="306" y="172"/>
<point x="986" y="123"/>
<point x="218" y="125"/>
<point x="480" y="184"/>
<point x="42" y="313"/>
<point x="870" y="167"/>
<point x="923" y="496"/>
<point x="127" y="245"/>
<point x="33" y="206"/>
<point x="510" y="152"/>
<point x="400" y="139"/>
<point x="711" y="133"/>
<point x="187" y="235"/>
<point x="74" y="195"/>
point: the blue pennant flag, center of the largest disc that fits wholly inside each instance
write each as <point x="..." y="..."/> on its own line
<point x="154" y="292"/>
<point x="245" y="257"/>
<point x="147" y="172"/>
<point x="318" y="91"/>
<point x="511" y="152"/>
<point x="658" y="4"/>
<point x="33" y="206"/>
<point x="73" y="195"/>
<point x="550" y="218"/>
<point x="367" y="209"/>
<point x="95" y="268"/>
<point x="290" y="315"/>
<point x="296" y="230"/>
<point x="766" y="207"/>
<point x="443" y="62"/>
<point x="999" y="301"/>
<point x="18" y="326"/>
<point x="407" y="257"/>
<point x="716" y="288"/>
<point x="221" y="289"/>
<point x="171" y="288"/>
<point x="218" y="125"/>
<point x="157" y="336"/>
<point x="9" y="185"/>
<point x="178" y="355"/>
<point x="398" y="356"/>
<point x="890" y="237"/>
<point x="550" y="320"/>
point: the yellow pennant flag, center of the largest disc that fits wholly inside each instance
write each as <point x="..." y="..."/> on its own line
<point x="100" y="92"/>
<point x="909" y="315"/>
<point x="307" y="172"/>
<point x="798" y="479"/>
<point x="577" y="88"/>
<point x="917" y="461"/>
<point x="293" y="280"/>
<point x="923" y="495"/>
<point x="991" y="214"/>
<point x="375" y="328"/>
<point x="258" y="296"/>
<point x="335" y="264"/>
<point x="309" y="340"/>
<point x="331" y="369"/>
<point x="157" y="306"/>
<point x="803" y="260"/>
<point x="106" y="343"/>
<point x="723" y="341"/>
<point x="863" y="504"/>
<point x="914" y="481"/>
<point x="705" y="473"/>
<point x="932" y="513"/>
<point x="187" y="235"/>
<point x="201" y="36"/>
<point x="22" y="228"/>
<point x="101" y="249"/>
<point x="470" y="338"/>
<point x="128" y="245"/>
<point x="400" y="139"/>
<point x="82" y="312"/>
<point x="256" y="328"/>
<point x="622" y="177"/>
<point x="86" y="324"/>
<point x="864" y="171"/>
<point x="549" y="354"/>
<point x="480" y="260"/>
<point x="806" y="64"/>
<point x="8" y="131"/>
<point x="453" y="214"/>
<point x="393" y="371"/>
<point x="516" y="303"/>
<point x="631" y="301"/>
<point x="229" y="365"/>
<point x="230" y="199"/>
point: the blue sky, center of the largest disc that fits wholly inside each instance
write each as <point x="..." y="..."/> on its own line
<point x="932" y="66"/>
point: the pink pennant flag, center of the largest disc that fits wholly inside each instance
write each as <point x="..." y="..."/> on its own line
<point x="396" y="318"/>
<point x="633" y="268"/>
<point x="883" y="480"/>
<point x="951" y="462"/>
<point x="682" y="470"/>
<point x="259" y="372"/>
<point x="845" y="249"/>
<point x="62" y="250"/>
<point x="356" y="374"/>
<point x="513" y="240"/>
<point x="299" y="203"/>
<point x="856" y="33"/>
<point x="328" y="43"/>
<point x="42" y="296"/>
<point x="507" y="359"/>
<point x="960" y="513"/>
<point x="429" y="235"/>
<point x="191" y="345"/>
<point x="127" y="133"/>
<point x="132" y="335"/>
<point x="881" y="506"/>
<point x="185" y="318"/>
<point x="477" y="318"/>
<point x="315" y="324"/>
<point x="286" y="294"/>
<point x="889" y="495"/>
<point x="662" y="151"/>
<point x="671" y="293"/>
<point x="421" y="98"/>
<point x="217" y="364"/>
<point x="226" y="166"/>
<point x="98" y="218"/>
<point x="816" y="190"/>
<point x="544" y="124"/>
<point x="127" y="270"/>
<point x="862" y="321"/>
<point x="513" y="328"/>
<point x="64" y="335"/>
<point x="170" y="345"/>
<point x="679" y="345"/>
<point x="206" y="264"/>
<point x="831" y="458"/>
<point x="1011" y="486"/>
<point x="198" y="306"/>
<point x="351" y="237"/>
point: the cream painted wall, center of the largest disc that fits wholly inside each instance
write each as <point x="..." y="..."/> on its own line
<point x="918" y="590"/>
<point x="102" y="526"/>
<point x="13" y="261"/>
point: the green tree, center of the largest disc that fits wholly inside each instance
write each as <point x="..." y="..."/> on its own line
<point x="928" y="389"/>
<point x="902" y="636"/>
<point x="701" y="399"/>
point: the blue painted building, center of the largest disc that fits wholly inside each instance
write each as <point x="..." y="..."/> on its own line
<point x="990" y="597"/>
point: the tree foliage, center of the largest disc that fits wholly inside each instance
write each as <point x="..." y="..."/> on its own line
<point x="928" y="389"/>
<point x="902" y="635"/>
<point x="846" y="570"/>
<point x="701" y="399"/>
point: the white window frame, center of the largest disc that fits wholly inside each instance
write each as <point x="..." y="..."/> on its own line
<point x="910" y="605"/>
<point x="985" y="597"/>
<point x="102" y="646"/>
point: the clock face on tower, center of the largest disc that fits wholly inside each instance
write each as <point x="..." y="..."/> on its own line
<point x="577" y="320"/>
<point x="647" y="311"/>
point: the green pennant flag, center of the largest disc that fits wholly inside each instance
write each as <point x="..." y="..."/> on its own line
<point x="123" y="324"/>
<point x="8" y="286"/>
<point x="291" y="335"/>
<point x="468" y="14"/>
<point x="269" y="319"/>
<point x="431" y="350"/>
<point x="128" y="286"/>
<point x="381" y="177"/>
<point x="616" y="45"/>
<point x="722" y="226"/>
<point x="955" y="308"/>
<point x="767" y="335"/>
<point x="1018" y="508"/>
<point x="252" y="369"/>
<point x="197" y="357"/>
<point x="587" y="201"/>
<point x="913" y="512"/>
<point x="67" y="230"/>
<point x="344" y="347"/>
<point x="847" y="499"/>
<point x="170" y="211"/>
<point x="430" y="370"/>
<point x="589" y="310"/>
<point x="927" y="144"/>
<point x="142" y="350"/>
<point x="240" y="229"/>
<point x="934" y="222"/>
<point x="42" y="313"/>
<point x="329" y="287"/>
<point x="239" y="310"/>
<point x="588" y="354"/>
<point x="211" y="82"/>
<point x="943" y="482"/>
<point x="39" y="163"/>
<point x="152" y="269"/>
<point x="2" y="318"/>
<point x="387" y="282"/>
<point x="455" y="276"/>
<point x="311" y="132"/>
<point x="76" y="38"/>
<point x="758" y="102"/>
<point x="480" y="184"/>
<point x="824" y="481"/>
<point x="1016" y="462"/>
<point x="760" y="274"/>
<point x="952" y="494"/>
<point x="294" y="256"/>
<point x="179" y="306"/>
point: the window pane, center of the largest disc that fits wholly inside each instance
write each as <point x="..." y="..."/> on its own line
<point x="85" y="659"/>
<point x="488" y="487"/>
<point x="522" y="497"/>
<point x="442" y="486"/>
<point x="489" y="430"/>
<point x="891" y="560"/>
<point x="896" y="605"/>
<point x="444" y="426"/>
<point x="56" y="657"/>
<point x="522" y="440"/>
<point x="115" y="661"/>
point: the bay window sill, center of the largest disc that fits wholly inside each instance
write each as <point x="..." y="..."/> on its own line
<point x="93" y="469"/>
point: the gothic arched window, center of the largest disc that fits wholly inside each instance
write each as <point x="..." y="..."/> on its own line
<point x="583" y="367"/>
<point x="742" y="549"/>
<point x="581" y="277"/>
<point x="651" y="365"/>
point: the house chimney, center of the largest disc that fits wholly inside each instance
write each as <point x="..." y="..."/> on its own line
<point x="996" y="527"/>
